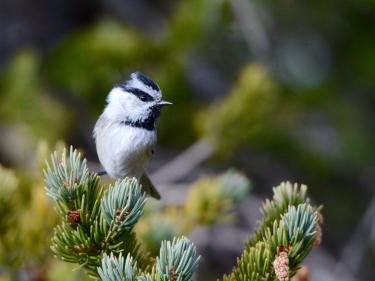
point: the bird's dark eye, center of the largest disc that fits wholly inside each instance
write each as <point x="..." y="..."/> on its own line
<point x="143" y="96"/>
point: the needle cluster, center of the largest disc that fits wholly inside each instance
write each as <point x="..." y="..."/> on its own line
<point x="96" y="228"/>
<point x="285" y="236"/>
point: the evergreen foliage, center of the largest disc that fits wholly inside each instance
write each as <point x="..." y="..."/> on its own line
<point x="96" y="229"/>
<point x="36" y="110"/>
<point x="178" y="260"/>
<point x="26" y="222"/>
<point x="247" y="113"/>
<point x="113" y="269"/>
<point x="210" y="200"/>
<point x="96" y="226"/>
<point x="289" y="226"/>
<point x="285" y="195"/>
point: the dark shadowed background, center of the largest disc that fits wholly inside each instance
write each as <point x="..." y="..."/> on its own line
<point x="279" y="90"/>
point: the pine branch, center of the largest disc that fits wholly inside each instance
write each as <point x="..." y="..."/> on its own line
<point x="285" y="195"/>
<point x="177" y="261"/>
<point x="93" y="222"/>
<point x="285" y="236"/>
<point x="96" y="229"/>
<point x="123" y="205"/>
<point x="64" y="177"/>
<point x="210" y="199"/>
<point x="116" y="269"/>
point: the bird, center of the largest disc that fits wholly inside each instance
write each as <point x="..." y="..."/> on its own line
<point x="125" y="133"/>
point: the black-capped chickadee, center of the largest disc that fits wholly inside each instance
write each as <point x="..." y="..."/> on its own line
<point x="125" y="133"/>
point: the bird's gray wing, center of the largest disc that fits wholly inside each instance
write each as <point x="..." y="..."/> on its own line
<point x="148" y="187"/>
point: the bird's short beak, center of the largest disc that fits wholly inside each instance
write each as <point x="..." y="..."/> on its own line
<point x="164" y="103"/>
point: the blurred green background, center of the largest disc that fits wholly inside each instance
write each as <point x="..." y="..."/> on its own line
<point x="283" y="90"/>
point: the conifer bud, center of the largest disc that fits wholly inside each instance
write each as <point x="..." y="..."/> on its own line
<point x="281" y="266"/>
<point x="74" y="216"/>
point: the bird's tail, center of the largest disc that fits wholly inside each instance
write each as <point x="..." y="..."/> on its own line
<point x="148" y="187"/>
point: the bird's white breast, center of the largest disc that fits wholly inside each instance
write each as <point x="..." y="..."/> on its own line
<point x="123" y="150"/>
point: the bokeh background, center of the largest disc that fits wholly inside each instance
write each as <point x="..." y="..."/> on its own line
<point x="273" y="90"/>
